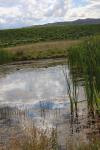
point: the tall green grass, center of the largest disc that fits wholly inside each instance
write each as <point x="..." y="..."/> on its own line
<point x="5" y="56"/>
<point x="84" y="62"/>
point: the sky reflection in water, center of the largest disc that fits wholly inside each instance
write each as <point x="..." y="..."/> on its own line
<point x="29" y="85"/>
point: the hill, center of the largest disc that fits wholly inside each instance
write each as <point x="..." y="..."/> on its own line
<point x="78" y="22"/>
<point x="53" y="32"/>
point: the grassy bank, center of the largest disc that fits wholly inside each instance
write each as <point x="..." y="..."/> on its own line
<point x="9" y="56"/>
<point x="15" y="37"/>
<point x="43" y="50"/>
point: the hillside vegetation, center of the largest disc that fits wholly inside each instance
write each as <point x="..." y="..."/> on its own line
<point x="13" y="37"/>
<point x="42" y="42"/>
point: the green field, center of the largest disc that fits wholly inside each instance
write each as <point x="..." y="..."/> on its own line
<point x="14" y="37"/>
<point x="42" y="42"/>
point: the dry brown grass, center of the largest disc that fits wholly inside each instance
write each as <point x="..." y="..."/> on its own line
<point x="45" y="46"/>
<point x="41" y="141"/>
<point x="37" y="51"/>
<point x="35" y="139"/>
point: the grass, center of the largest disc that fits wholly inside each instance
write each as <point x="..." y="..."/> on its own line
<point x="5" y="56"/>
<point x="43" y="50"/>
<point x="13" y="37"/>
<point x="84" y="61"/>
<point x="42" y="42"/>
<point x="59" y="45"/>
<point x="77" y="144"/>
<point x="8" y="56"/>
<point x="41" y="140"/>
<point x="36" y="140"/>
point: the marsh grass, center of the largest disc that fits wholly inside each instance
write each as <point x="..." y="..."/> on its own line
<point x="84" y="62"/>
<point x="9" y="56"/>
<point x="73" y="91"/>
<point x="44" y="140"/>
<point x="5" y="56"/>
<point x="94" y="144"/>
<point x="43" y="50"/>
<point x="63" y="44"/>
<point x="37" y="140"/>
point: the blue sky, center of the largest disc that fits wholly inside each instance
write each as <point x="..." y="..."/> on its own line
<point x="78" y="3"/>
<point x="18" y="13"/>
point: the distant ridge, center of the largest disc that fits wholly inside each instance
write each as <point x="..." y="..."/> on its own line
<point x="79" y="21"/>
<point x="87" y="21"/>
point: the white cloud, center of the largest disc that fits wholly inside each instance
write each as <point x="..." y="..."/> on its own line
<point x="90" y="10"/>
<point x="16" y="13"/>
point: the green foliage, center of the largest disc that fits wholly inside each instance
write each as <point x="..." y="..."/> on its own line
<point x="14" y="37"/>
<point x="9" y="56"/>
<point x="84" y="60"/>
<point x="5" y="56"/>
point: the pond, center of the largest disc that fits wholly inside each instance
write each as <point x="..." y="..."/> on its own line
<point x="38" y="97"/>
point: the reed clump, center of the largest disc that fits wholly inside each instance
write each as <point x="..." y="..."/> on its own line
<point x="40" y="140"/>
<point x="36" y="140"/>
<point x="84" y="62"/>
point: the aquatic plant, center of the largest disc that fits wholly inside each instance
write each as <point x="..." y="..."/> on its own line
<point x="36" y="140"/>
<point x="72" y="90"/>
<point x="41" y="140"/>
<point x="84" y="62"/>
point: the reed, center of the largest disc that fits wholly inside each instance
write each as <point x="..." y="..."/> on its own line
<point x="40" y="140"/>
<point x="37" y="140"/>
<point x="84" y="62"/>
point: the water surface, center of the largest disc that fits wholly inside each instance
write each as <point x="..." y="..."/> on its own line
<point x="39" y="96"/>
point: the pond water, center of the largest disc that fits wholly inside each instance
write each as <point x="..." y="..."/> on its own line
<point x="39" y="97"/>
